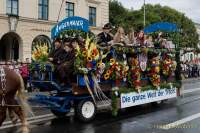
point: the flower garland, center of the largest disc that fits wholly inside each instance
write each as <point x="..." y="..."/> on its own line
<point x="90" y="59"/>
<point x="116" y="71"/>
<point x="154" y="72"/>
<point x="168" y="67"/>
<point x="135" y="74"/>
<point x="133" y="49"/>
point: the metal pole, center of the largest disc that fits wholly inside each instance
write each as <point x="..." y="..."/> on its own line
<point x="144" y="15"/>
<point x="60" y="10"/>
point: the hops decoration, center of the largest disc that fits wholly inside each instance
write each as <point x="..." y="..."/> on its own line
<point x="40" y="53"/>
<point x="155" y="72"/>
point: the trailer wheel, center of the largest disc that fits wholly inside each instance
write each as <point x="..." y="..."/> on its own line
<point x="86" y="110"/>
<point x="58" y="113"/>
<point x="157" y="103"/>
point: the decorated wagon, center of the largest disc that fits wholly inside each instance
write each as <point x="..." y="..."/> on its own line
<point x="113" y="77"/>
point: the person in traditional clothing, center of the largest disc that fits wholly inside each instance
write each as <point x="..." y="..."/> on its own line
<point x="132" y="38"/>
<point x="140" y="38"/>
<point x="120" y="37"/>
<point x="105" y="37"/>
<point x="55" y="55"/>
<point x="148" y="42"/>
<point x="66" y="69"/>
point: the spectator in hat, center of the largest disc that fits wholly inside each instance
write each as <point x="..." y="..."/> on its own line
<point x="105" y="37"/>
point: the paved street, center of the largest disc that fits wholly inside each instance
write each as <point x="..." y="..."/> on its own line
<point x="180" y="115"/>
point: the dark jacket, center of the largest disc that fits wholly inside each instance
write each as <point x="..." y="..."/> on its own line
<point x="67" y="56"/>
<point x="104" y="39"/>
<point x="66" y="67"/>
<point x="57" y="55"/>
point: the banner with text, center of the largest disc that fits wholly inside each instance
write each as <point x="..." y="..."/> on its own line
<point x="71" y="23"/>
<point x="133" y="99"/>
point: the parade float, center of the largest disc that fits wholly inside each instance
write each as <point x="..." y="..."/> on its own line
<point x="113" y="77"/>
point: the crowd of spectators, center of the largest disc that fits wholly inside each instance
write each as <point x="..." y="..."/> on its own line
<point x="190" y="70"/>
<point x="20" y="67"/>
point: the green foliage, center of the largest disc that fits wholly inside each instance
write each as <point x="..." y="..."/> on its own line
<point x="120" y="16"/>
<point x="76" y="34"/>
<point x="115" y="100"/>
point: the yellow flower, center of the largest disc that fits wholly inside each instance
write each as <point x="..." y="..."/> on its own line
<point x="108" y="72"/>
<point x="33" y="57"/>
<point x="106" y="76"/>
<point x="99" y="65"/>
<point x="126" y="68"/>
<point x="125" y="74"/>
<point x="93" y="54"/>
<point x="157" y="69"/>
<point x="135" y="62"/>
<point x="112" y="61"/>
<point x="89" y="58"/>
<point x="84" y="53"/>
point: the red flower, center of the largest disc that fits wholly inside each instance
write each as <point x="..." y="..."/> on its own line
<point x="89" y="65"/>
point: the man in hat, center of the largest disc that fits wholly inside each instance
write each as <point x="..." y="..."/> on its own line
<point x="105" y="37"/>
<point x="55" y="55"/>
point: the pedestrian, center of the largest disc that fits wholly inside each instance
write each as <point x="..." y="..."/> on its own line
<point x="10" y="65"/>
<point x="17" y="65"/>
<point x="27" y="61"/>
<point x="198" y="69"/>
<point x="24" y="73"/>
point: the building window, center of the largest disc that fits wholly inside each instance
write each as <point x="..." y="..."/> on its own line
<point x="12" y="7"/>
<point x="69" y="9"/>
<point x="92" y="16"/>
<point x="43" y="9"/>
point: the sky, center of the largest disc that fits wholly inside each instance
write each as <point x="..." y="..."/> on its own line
<point x="191" y="8"/>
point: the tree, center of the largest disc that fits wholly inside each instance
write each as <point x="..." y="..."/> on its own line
<point x="120" y="16"/>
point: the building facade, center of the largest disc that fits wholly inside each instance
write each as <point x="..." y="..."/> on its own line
<point x="24" y="23"/>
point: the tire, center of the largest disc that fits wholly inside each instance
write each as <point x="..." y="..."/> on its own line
<point x="58" y="114"/>
<point x="85" y="110"/>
